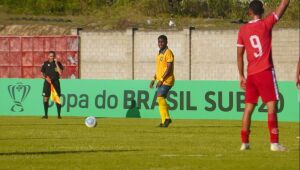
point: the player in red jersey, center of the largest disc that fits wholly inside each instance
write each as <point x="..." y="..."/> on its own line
<point x="256" y="37"/>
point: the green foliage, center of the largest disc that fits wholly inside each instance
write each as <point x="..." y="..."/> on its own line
<point x="154" y="7"/>
<point x="192" y="8"/>
<point x="123" y="2"/>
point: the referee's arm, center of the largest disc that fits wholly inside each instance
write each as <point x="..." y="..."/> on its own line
<point x="59" y="70"/>
<point x="43" y="71"/>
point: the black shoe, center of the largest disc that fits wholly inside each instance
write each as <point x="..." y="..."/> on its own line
<point x="167" y="122"/>
<point x="45" y="117"/>
<point x="58" y="117"/>
<point x="161" y="125"/>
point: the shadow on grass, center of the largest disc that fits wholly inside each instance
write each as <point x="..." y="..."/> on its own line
<point x="67" y="152"/>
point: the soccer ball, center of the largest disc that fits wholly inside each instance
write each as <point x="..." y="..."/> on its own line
<point x="90" y="122"/>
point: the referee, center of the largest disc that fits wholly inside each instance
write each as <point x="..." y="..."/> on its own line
<point x="51" y="72"/>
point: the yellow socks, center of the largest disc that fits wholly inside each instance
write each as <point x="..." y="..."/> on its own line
<point x="163" y="109"/>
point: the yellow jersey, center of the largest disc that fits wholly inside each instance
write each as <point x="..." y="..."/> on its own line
<point x="162" y="59"/>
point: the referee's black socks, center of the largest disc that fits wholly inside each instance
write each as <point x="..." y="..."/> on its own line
<point x="58" y="106"/>
<point x="46" y="105"/>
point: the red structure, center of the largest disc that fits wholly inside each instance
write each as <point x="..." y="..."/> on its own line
<point x="22" y="57"/>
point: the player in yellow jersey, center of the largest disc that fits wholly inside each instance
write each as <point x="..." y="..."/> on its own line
<point x="165" y="78"/>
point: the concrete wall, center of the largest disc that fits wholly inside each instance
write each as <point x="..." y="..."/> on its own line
<point x="286" y="53"/>
<point x="199" y="55"/>
<point x="214" y="55"/>
<point x="106" y="55"/>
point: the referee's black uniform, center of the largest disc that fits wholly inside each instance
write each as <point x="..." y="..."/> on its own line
<point x="49" y="70"/>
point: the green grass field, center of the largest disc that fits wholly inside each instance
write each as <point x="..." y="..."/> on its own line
<point x="32" y="143"/>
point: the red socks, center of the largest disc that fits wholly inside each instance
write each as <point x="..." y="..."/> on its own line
<point x="245" y="136"/>
<point x="273" y="130"/>
<point x="273" y="127"/>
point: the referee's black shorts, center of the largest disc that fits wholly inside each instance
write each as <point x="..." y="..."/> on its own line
<point x="47" y="90"/>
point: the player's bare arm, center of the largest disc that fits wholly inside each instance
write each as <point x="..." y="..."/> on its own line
<point x="57" y="67"/>
<point x="282" y="8"/>
<point x="240" y="62"/>
<point x="46" y="77"/>
<point x="43" y="75"/>
<point x="152" y="82"/>
<point x="166" y="74"/>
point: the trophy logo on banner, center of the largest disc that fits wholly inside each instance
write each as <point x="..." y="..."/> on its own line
<point x="18" y="93"/>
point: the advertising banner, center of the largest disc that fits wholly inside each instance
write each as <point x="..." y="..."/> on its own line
<point x="222" y="100"/>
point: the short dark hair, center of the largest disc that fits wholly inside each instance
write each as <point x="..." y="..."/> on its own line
<point x="52" y="52"/>
<point x="163" y="37"/>
<point x="257" y="7"/>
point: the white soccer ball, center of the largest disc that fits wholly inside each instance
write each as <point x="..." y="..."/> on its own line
<point x="90" y="122"/>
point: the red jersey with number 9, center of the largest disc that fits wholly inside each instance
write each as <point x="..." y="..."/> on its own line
<point x="256" y="38"/>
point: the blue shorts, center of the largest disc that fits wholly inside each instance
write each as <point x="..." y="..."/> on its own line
<point x="163" y="90"/>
